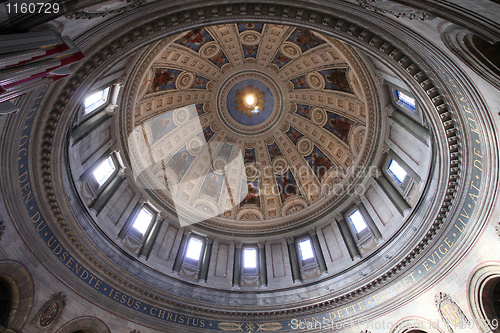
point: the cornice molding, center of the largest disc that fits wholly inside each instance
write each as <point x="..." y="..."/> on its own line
<point x="397" y="10"/>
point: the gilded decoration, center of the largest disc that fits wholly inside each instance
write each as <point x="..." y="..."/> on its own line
<point x="50" y="312"/>
<point x="450" y="312"/>
<point x="250" y="101"/>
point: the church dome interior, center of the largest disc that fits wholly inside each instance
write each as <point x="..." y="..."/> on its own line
<point x="247" y="167"/>
<point x="253" y="144"/>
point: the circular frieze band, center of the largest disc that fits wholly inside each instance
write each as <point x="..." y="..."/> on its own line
<point x="253" y="118"/>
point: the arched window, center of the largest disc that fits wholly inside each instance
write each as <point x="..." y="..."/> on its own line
<point x="194" y="250"/>
<point x="358" y="223"/>
<point x="480" y="55"/>
<point x="142" y="222"/>
<point x="84" y="325"/>
<point x="490" y="300"/>
<point x="250" y="260"/>
<point x="101" y="173"/>
<point x="487" y="52"/>
<point x="415" y="325"/>
<point x="405" y="102"/>
<point x="484" y="297"/>
<point x="5" y="302"/>
<point x="16" y="296"/>
<point x="95" y="100"/>
<point x="400" y="174"/>
<point x="306" y="250"/>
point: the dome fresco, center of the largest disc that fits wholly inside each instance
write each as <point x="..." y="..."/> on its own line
<point x="251" y="123"/>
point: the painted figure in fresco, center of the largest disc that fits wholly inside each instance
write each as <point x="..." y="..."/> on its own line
<point x="207" y="134"/>
<point x="295" y="135"/>
<point x="307" y="38"/>
<point x="304" y="111"/>
<point x="219" y="59"/>
<point x="194" y="36"/>
<point x="210" y="187"/>
<point x="250" y="50"/>
<point x="158" y="128"/>
<point x="161" y="78"/>
<point x="199" y="109"/>
<point x="339" y="79"/>
<point x="178" y="163"/>
<point x="281" y="60"/>
<point x="199" y="82"/>
<point x="321" y="164"/>
<point x="226" y="151"/>
<point x="300" y="82"/>
<point x="251" y="197"/>
<point x="288" y="188"/>
<point x="274" y="151"/>
<point x="341" y="127"/>
<point x="249" y="158"/>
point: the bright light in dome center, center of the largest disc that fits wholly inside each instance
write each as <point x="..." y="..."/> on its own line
<point x="250" y="100"/>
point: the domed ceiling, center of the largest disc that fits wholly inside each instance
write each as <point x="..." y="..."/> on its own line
<point x="247" y="127"/>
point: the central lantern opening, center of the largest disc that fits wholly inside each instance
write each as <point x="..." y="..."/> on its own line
<point x="250" y="101"/>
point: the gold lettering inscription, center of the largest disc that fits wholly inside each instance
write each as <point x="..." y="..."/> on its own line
<point x="474" y="129"/>
<point x="440" y="246"/>
<point x="478" y="164"/>
<point x="426" y="265"/>
<point x="433" y="260"/>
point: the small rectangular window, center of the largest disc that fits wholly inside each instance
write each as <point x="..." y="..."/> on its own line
<point x="358" y="221"/>
<point x="104" y="170"/>
<point x="398" y="172"/>
<point x="305" y="249"/>
<point x="250" y="258"/>
<point x="403" y="98"/>
<point x="194" y="248"/>
<point x="95" y="100"/>
<point x="143" y="220"/>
